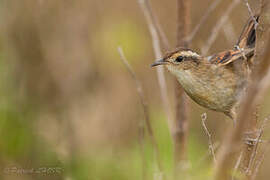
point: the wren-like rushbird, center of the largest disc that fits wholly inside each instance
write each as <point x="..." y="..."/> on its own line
<point x="216" y="82"/>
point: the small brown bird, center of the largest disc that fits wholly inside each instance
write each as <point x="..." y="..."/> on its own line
<point x="218" y="81"/>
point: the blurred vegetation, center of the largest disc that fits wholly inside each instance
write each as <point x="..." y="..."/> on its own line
<point x="67" y="101"/>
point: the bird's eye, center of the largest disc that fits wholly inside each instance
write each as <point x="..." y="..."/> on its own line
<point x="179" y="59"/>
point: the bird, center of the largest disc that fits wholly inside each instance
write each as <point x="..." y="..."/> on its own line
<point x="216" y="82"/>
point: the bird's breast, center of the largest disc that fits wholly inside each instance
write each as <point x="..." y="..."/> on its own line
<point x="210" y="88"/>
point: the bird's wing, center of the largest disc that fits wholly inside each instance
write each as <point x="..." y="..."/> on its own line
<point x="229" y="56"/>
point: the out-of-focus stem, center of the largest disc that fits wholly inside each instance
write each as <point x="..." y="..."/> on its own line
<point x="180" y="128"/>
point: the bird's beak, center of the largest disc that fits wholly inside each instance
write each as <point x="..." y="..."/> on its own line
<point x="159" y="62"/>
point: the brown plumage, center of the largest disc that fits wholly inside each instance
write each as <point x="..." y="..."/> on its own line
<point x="216" y="82"/>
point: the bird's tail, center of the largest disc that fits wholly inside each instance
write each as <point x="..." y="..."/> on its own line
<point x="247" y="38"/>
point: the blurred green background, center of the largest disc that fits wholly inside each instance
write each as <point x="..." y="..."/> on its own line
<point x="68" y="102"/>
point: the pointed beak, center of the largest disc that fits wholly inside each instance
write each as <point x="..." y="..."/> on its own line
<point x="159" y="62"/>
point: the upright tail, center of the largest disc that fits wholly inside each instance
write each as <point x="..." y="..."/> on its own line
<point x="247" y="38"/>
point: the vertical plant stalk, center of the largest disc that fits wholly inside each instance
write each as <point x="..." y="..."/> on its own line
<point x="260" y="161"/>
<point x="145" y="109"/>
<point x="207" y="13"/>
<point x="250" y="148"/>
<point x="157" y="25"/>
<point x="210" y="142"/>
<point x="236" y="166"/>
<point x="180" y="128"/>
<point x="229" y="32"/>
<point x="260" y="81"/>
<point x="153" y="29"/>
<point x="215" y="31"/>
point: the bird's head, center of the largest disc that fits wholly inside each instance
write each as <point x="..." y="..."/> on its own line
<point x="179" y="60"/>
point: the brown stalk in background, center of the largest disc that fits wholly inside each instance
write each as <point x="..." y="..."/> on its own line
<point x="229" y="32"/>
<point x="157" y="25"/>
<point x="180" y="130"/>
<point x="215" y="31"/>
<point x="260" y="82"/>
<point x="195" y="30"/>
<point x="153" y="29"/>
<point x="145" y="112"/>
